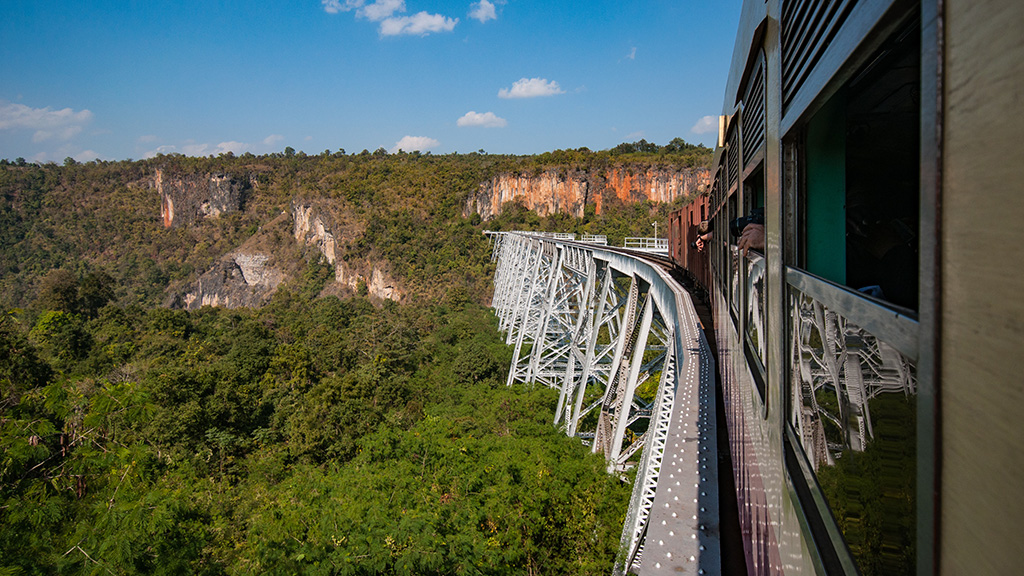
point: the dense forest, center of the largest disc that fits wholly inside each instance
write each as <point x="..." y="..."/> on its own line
<point x="322" y="432"/>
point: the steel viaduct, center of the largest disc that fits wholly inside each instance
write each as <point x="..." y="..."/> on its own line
<point x="621" y="342"/>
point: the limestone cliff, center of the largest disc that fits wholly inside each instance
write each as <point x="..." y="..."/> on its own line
<point x="569" y="191"/>
<point x="249" y="275"/>
<point x="239" y="279"/>
<point x="316" y="226"/>
<point x="187" y="198"/>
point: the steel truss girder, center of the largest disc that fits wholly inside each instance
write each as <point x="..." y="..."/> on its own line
<point x="575" y="328"/>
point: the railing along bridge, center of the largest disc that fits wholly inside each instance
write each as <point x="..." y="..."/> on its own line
<point x="621" y="342"/>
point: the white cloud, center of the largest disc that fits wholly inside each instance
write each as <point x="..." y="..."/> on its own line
<point x="47" y="123"/>
<point x="487" y="120"/>
<point x="272" y="139"/>
<point x="233" y="147"/>
<point x="166" y="149"/>
<point x="63" y="133"/>
<point x="632" y="54"/>
<point x="636" y="135"/>
<point x="410" y="143"/>
<point x="705" y="125"/>
<point x="62" y="151"/>
<point x="483" y="11"/>
<point x="381" y="9"/>
<point x="146" y="138"/>
<point x="192" y="148"/>
<point x="195" y="149"/>
<point x="419" y="24"/>
<point x="335" y="6"/>
<point x="531" y="88"/>
<point x="384" y="12"/>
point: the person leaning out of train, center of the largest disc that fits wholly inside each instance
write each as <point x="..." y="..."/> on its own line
<point x="752" y="237"/>
<point x="749" y="230"/>
<point x="703" y="235"/>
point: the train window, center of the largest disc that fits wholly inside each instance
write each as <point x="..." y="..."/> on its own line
<point x="720" y="230"/>
<point x="861" y="173"/>
<point x="853" y="376"/>
<point x="755" y="279"/>
<point x="753" y="191"/>
<point x="882" y="176"/>
<point x="734" y="262"/>
<point x="824" y="222"/>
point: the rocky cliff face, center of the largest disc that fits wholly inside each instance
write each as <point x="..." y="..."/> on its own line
<point x="546" y="193"/>
<point x="249" y="275"/>
<point x="316" y="227"/>
<point x="570" y="191"/>
<point x="239" y="279"/>
<point x="629" y="184"/>
<point x="185" y="199"/>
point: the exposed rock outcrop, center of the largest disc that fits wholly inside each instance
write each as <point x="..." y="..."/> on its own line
<point x="569" y="192"/>
<point x="239" y="279"/>
<point x="313" y="227"/>
<point x="185" y="199"/>
<point x="546" y="193"/>
<point x="248" y="276"/>
<point x="316" y="227"/>
<point x="629" y="184"/>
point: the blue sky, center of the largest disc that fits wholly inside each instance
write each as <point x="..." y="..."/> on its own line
<point x="131" y="78"/>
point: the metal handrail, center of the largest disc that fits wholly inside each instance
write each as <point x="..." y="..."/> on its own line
<point x="894" y="327"/>
<point x="646" y="243"/>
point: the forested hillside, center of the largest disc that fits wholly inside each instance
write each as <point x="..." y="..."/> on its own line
<point x="103" y="219"/>
<point x="327" y="431"/>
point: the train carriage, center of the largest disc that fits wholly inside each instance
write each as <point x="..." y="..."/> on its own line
<point x="871" y="352"/>
<point x="684" y="227"/>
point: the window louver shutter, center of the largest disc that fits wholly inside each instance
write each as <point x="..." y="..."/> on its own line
<point x="734" y="156"/>
<point x="753" y="114"/>
<point x="807" y="28"/>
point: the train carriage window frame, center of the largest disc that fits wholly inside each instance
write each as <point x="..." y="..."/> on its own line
<point x="855" y="204"/>
<point x="735" y="282"/>
<point x="829" y="154"/>
<point x="754" y="337"/>
<point x="748" y="148"/>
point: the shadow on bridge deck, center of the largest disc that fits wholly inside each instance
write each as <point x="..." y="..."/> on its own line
<point x="733" y="558"/>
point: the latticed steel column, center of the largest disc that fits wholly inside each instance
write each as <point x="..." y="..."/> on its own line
<point x="551" y="348"/>
<point x="576" y="365"/>
<point x="605" y="324"/>
<point x="624" y="403"/>
<point x="617" y="380"/>
<point x="513" y="264"/>
<point x="524" y="284"/>
<point x="534" y="309"/>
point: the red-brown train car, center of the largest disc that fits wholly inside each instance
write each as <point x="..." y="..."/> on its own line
<point x="682" y="234"/>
